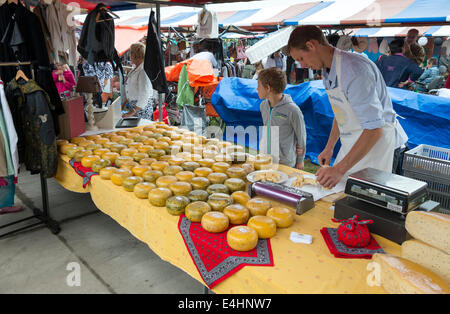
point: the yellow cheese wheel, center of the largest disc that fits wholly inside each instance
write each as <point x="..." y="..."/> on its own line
<point x="142" y="189"/>
<point x="139" y="156"/>
<point x="240" y="197"/>
<point x="236" y="172"/>
<point x="119" y="175"/>
<point x="71" y="151"/>
<point x="282" y="216"/>
<point x="165" y="181"/>
<point x="262" y="162"/>
<point x="200" y="183"/>
<point x="237" y="214"/>
<point x="129" y="164"/>
<point x="175" y="161"/>
<point x="258" y="206"/>
<point x="158" y="196"/>
<point x="93" y="137"/>
<point x="263" y="225"/>
<point x="215" y="222"/>
<point x="172" y="170"/>
<point x="160" y="145"/>
<point x="100" y="164"/>
<point x="195" y="210"/>
<point x="107" y="172"/>
<point x="85" y="143"/>
<point x="102" y="141"/>
<point x="79" y="154"/>
<point x="117" y="148"/>
<point x="151" y="175"/>
<point x="116" y="138"/>
<point x="135" y="145"/>
<point x="129" y="183"/>
<point x="111" y="156"/>
<point x="61" y="142"/>
<point x="203" y="171"/>
<point x="144" y="148"/>
<point x="220" y="167"/>
<point x="159" y="165"/>
<point x="100" y="151"/>
<point x="147" y="161"/>
<point x="185" y="176"/>
<point x="139" y="170"/>
<point x="94" y="147"/>
<point x="206" y="162"/>
<point x="65" y="147"/>
<point x="88" y="161"/>
<point x="180" y="188"/>
<point x="190" y="165"/>
<point x="77" y="140"/>
<point x="242" y="238"/>
<point x="218" y="201"/>
<point x="217" y="177"/>
<point x="128" y="151"/>
<point x="210" y="154"/>
<point x="126" y="141"/>
<point x="248" y="168"/>
<point x="235" y="184"/>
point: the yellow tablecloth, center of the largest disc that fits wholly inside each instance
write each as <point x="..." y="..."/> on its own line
<point x="298" y="268"/>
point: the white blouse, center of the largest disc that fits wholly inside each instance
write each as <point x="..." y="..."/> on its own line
<point x="138" y="86"/>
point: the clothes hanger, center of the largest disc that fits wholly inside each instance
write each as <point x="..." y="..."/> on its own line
<point x="114" y="15"/>
<point x="21" y="75"/>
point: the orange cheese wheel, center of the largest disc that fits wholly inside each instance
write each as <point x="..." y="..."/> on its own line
<point x="217" y="177"/>
<point x="185" y="176"/>
<point x="240" y="197"/>
<point x="282" y="216"/>
<point x="128" y="151"/>
<point x="263" y="225"/>
<point x="111" y="156"/>
<point x="64" y="148"/>
<point x="117" y="148"/>
<point x="119" y="175"/>
<point x="107" y="172"/>
<point x="242" y="238"/>
<point x="172" y="170"/>
<point x="100" y="151"/>
<point x="237" y="214"/>
<point x="165" y="181"/>
<point x="159" y="165"/>
<point x="139" y="170"/>
<point x="129" y="164"/>
<point x="180" y="188"/>
<point x="195" y="210"/>
<point x="258" y="206"/>
<point x="85" y="143"/>
<point x="101" y="141"/>
<point x="88" y="161"/>
<point x="147" y="161"/>
<point x="142" y="189"/>
<point x="203" y="171"/>
<point x="214" y="222"/>
<point x="135" y="145"/>
<point x="77" y="140"/>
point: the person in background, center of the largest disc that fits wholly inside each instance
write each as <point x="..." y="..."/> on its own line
<point x="277" y="60"/>
<point x="430" y="73"/>
<point x="138" y="88"/>
<point x="278" y="110"/>
<point x="258" y="68"/>
<point x="412" y="49"/>
<point x="206" y="54"/>
<point x="104" y="72"/>
<point x="63" y="77"/>
<point x="396" y="68"/>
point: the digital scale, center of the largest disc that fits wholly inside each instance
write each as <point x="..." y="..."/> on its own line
<point x="390" y="191"/>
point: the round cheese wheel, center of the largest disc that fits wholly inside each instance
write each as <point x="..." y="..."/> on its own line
<point x="126" y="141"/>
<point x="135" y="145"/>
<point x="237" y="214"/>
<point x="120" y="160"/>
<point x="107" y="172"/>
<point x="156" y="153"/>
<point x="79" y="154"/>
<point x="263" y="225"/>
<point x="139" y="156"/>
<point x="85" y="143"/>
<point x="100" y="164"/>
<point x="142" y="189"/>
<point x="157" y="197"/>
<point x="248" y="168"/>
<point x="223" y="158"/>
<point x="282" y="216"/>
<point x="159" y="165"/>
<point x="175" y="161"/>
<point x="236" y="172"/>
<point x="119" y="175"/>
<point x="117" y="148"/>
<point x="161" y="145"/>
<point x="116" y="138"/>
<point x="190" y="165"/>
<point x="139" y="170"/>
<point x="235" y="184"/>
<point x="200" y="183"/>
<point x="151" y="175"/>
<point x="61" y="142"/>
<point x="147" y="161"/>
<point x="111" y="156"/>
<point x="100" y="151"/>
<point x="210" y="154"/>
<point x="195" y="211"/>
<point x="220" y="167"/>
<point x="176" y="204"/>
<point x="180" y="188"/>
<point x="165" y="181"/>
<point x="217" y="177"/>
<point x="144" y="148"/>
<point x="107" y="145"/>
<point x="71" y="151"/>
<point x="206" y="162"/>
<point x="185" y="176"/>
<point x="240" y="197"/>
<point x="88" y="161"/>
<point x="149" y="141"/>
<point x="172" y="170"/>
<point x="65" y="147"/>
<point x="129" y="164"/>
<point x="258" y="206"/>
<point x="128" y="151"/>
<point x="217" y="188"/>
<point x="242" y="238"/>
<point x="94" y="147"/>
<point x="262" y="162"/>
<point x="218" y="201"/>
<point x="129" y="183"/>
<point x="77" y="140"/>
<point x="198" y="195"/>
<point x="203" y="172"/>
<point x="102" y="141"/>
<point x="214" y="222"/>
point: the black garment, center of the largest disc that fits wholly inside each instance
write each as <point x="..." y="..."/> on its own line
<point x="30" y="108"/>
<point x="154" y="57"/>
<point x="21" y="39"/>
<point x="96" y="42"/>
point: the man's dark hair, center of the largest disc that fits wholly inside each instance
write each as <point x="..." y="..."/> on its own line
<point x="396" y="46"/>
<point x="432" y="61"/>
<point x="302" y="34"/>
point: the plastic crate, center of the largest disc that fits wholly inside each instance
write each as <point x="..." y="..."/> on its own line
<point x="265" y="47"/>
<point x="439" y="189"/>
<point x="428" y="160"/>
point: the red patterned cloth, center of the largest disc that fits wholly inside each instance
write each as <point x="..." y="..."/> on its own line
<point x="340" y="250"/>
<point x="214" y="259"/>
<point x="85" y="173"/>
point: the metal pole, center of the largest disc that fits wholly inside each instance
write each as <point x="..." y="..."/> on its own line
<point x="158" y="18"/>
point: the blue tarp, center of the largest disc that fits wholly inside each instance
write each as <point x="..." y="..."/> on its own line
<point x="427" y="118"/>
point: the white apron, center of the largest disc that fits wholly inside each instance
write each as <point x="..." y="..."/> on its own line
<point x="382" y="154"/>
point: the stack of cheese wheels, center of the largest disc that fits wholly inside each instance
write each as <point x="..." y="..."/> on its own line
<point x="430" y="246"/>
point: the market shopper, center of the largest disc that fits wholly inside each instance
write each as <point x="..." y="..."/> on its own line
<point x="364" y="121"/>
<point x="279" y="111"/>
<point x="138" y="88"/>
<point x="276" y="59"/>
<point x="63" y="77"/>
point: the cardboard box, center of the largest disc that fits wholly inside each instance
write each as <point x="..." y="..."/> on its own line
<point x="72" y="122"/>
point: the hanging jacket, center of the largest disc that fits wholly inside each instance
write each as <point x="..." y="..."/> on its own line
<point x="30" y="107"/>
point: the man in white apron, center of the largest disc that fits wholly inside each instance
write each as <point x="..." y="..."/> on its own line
<point x="364" y="121"/>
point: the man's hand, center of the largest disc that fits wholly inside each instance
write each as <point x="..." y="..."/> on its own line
<point x="325" y="157"/>
<point x="300" y="165"/>
<point x="328" y="177"/>
<point x="128" y="114"/>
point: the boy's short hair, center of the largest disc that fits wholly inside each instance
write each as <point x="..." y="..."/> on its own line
<point x="302" y="34"/>
<point x="273" y="77"/>
<point x="432" y="61"/>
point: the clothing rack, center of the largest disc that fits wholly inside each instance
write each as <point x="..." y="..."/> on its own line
<point x="42" y="215"/>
